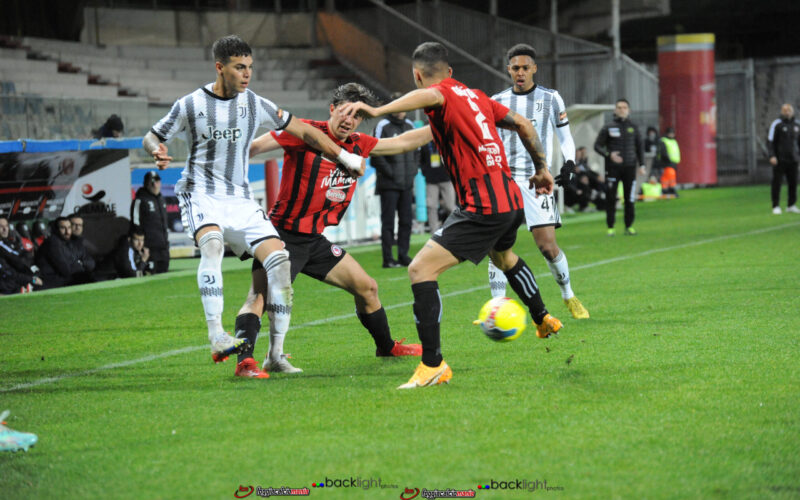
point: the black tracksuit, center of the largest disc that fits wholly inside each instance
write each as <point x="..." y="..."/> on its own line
<point x="150" y="212"/>
<point x="784" y="145"/>
<point x="621" y="136"/>
<point x="61" y="263"/>
<point x="395" y="185"/>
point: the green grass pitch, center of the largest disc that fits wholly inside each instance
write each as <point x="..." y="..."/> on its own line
<point x="685" y="382"/>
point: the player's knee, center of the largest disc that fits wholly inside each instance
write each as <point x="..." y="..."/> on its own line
<point x="368" y="290"/>
<point x="549" y="250"/>
<point x="211" y="245"/>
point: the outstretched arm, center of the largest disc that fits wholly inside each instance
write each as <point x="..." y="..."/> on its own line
<point x="407" y="141"/>
<point x="266" y="142"/>
<point x="158" y="150"/>
<point x="530" y="139"/>
<point x="416" y="99"/>
<point x="315" y="138"/>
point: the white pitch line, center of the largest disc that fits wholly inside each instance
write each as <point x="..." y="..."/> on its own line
<point x="328" y="319"/>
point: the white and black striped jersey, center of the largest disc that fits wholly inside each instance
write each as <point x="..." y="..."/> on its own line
<point x="545" y="109"/>
<point x="218" y="132"/>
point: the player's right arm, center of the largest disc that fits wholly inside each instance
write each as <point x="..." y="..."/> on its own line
<point x="263" y="144"/>
<point x="416" y="99"/>
<point x="542" y="179"/>
<point x="157" y="149"/>
<point x="318" y="140"/>
<point x="407" y="141"/>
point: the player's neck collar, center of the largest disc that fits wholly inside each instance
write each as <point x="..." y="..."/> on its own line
<point x="215" y="96"/>
<point x="525" y="92"/>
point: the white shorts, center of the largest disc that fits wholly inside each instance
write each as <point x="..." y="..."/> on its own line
<point x="540" y="209"/>
<point x="243" y="222"/>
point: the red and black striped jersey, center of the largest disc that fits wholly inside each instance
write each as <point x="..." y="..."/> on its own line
<point x="314" y="191"/>
<point x="470" y="147"/>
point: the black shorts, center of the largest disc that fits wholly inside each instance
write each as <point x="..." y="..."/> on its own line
<point x="471" y="236"/>
<point x="311" y="254"/>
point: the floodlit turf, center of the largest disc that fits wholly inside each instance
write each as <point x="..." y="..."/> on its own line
<point x="685" y="382"/>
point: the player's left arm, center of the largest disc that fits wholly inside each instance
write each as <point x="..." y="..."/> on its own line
<point x="530" y="139"/>
<point x="416" y="99"/>
<point x="263" y="144"/>
<point x="407" y="141"/>
<point x="561" y="124"/>
<point x="318" y="140"/>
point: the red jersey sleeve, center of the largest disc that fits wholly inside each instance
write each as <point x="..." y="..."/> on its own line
<point x="499" y="110"/>
<point x="287" y="140"/>
<point x="364" y="142"/>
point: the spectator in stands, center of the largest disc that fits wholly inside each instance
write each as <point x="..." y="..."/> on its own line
<point x="395" y="185"/>
<point x="438" y="188"/>
<point x="666" y="162"/>
<point x="14" y="281"/>
<point x="586" y="185"/>
<point x="149" y="210"/>
<point x="13" y="250"/>
<point x="81" y="244"/>
<point x="650" y="147"/>
<point x="784" y="150"/>
<point x="113" y="127"/>
<point x="131" y="257"/>
<point x="59" y="262"/>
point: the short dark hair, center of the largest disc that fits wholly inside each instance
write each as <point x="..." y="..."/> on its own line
<point x="230" y="46"/>
<point x="521" y="49"/>
<point x="670" y="130"/>
<point x="431" y="58"/>
<point x="75" y="216"/>
<point x="136" y="230"/>
<point x="622" y="99"/>
<point x="353" y="92"/>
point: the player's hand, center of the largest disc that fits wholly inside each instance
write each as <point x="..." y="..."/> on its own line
<point x="773" y="161"/>
<point x="354" y="164"/>
<point x="567" y="173"/>
<point x="615" y="157"/>
<point x="161" y="158"/>
<point x="543" y="182"/>
<point x="351" y="108"/>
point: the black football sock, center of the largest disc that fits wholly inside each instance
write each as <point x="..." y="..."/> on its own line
<point x="428" y="314"/>
<point x="247" y="327"/>
<point x="522" y="281"/>
<point x="378" y="326"/>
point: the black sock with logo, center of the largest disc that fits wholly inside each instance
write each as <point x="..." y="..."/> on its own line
<point x="377" y="325"/>
<point x="522" y="281"/>
<point x="428" y="314"/>
<point x="247" y="327"/>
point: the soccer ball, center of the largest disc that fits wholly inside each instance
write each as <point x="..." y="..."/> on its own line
<point x="502" y="319"/>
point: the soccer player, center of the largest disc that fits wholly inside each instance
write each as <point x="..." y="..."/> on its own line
<point x="545" y="109"/>
<point x="219" y="121"/>
<point x="463" y="122"/>
<point x="313" y="194"/>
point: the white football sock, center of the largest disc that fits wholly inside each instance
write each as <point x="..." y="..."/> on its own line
<point x="560" y="270"/>
<point x="497" y="281"/>
<point x="209" y="280"/>
<point x="279" y="299"/>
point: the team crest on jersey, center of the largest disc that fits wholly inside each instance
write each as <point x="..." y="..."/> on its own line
<point x="242" y="111"/>
<point x="335" y="195"/>
<point x="539" y="105"/>
<point x="336" y="250"/>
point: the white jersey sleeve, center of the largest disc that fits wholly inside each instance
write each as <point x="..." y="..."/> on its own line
<point x="270" y="116"/>
<point x="173" y="123"/>
<point x="558" y="118"/>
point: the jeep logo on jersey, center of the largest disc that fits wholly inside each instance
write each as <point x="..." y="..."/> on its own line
<point x="228" y="134"/>
<point x="336" y="195"/>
